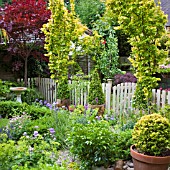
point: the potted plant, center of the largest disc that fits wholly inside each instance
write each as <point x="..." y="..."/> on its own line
<point x="96" y="97"/>
<point x="71" y="107"/>
<point x="151" y="137"/>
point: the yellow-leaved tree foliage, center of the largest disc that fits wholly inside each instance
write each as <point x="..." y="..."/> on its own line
<point x="64" y="34"/>
<point x="144" y="23"/>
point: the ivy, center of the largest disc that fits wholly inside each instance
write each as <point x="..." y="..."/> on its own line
<point x="107" y="59"/>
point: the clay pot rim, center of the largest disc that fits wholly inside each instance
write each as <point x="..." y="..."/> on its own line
<point x="149" y="159"/>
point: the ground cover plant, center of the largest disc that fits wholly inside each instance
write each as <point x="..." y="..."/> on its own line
<point x="35" y="142"/>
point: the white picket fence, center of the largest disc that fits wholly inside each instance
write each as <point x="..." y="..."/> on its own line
<point x="117" y="98"/>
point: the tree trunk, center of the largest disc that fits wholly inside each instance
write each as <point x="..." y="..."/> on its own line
<point x="26" y="72"/>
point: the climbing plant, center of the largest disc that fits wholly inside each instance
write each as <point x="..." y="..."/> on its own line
<point x="143" y="22"/>
<point x="107" y="60"/>
<point x="64" y="36"/>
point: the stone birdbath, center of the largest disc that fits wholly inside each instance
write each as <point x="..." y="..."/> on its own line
<point x="18" y="91"/>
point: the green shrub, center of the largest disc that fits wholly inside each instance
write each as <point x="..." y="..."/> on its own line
<point x="122" y="143"/>
<point x="23" y="125"/>
<point x="12" y="108"/>
<point x="151" y="134"/>
<point x="30" y="95"/>
<point x="63" y="89"/>
<point x="3" y="122"/>
<point x="40" y="166"/>
<point x="5" y="93"/>
<point x="96" y="95"/>
<point x="37" y="112"/>
<point x="92" y="143"/>
<point x="28" y="151"/>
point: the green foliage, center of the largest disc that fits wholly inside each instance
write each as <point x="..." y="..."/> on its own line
<point x="96" y="95"/>
<point x="12" y="108"/>
<point x="92" y="143"/>
<point x="3" y="122"/>
<point x="108" y="56"/>
<point x="37" y="112"/>
<point x="62" y="124"/>
<point x="122" y="143"/>
<point x="144" y="23"/>
<point x="89" y="11"/>
<point x="63" y="31"/>
<point x="30" y="95"/>
<point x="151" y="134"/>
<point x="79" y="109"/>
<point x="165" y="111"/>
<point x="63" y="89"/>
<point x="40" y="166"/>
<point x="5" y="93"/>
<point x="28" y="151"/>
<point x="23" y="125"/>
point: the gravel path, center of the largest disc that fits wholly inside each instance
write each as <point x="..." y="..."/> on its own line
<point x="68" y="158"/>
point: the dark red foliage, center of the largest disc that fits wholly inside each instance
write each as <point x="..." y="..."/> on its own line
<point x="23" y="20"/>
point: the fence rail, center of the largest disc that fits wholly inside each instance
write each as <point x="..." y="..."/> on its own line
<point x="117" y="98"/>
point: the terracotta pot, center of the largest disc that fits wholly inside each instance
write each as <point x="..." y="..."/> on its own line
<point x="71" y="108"/>
<point x="100" y="107"/>
<point x="145" y="162"/>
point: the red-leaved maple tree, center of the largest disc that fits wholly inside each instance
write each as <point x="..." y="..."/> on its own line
<point x="23" y="19"/>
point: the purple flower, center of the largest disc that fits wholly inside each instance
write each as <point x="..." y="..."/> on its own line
<point x="35" y="133"/>
<point x="41" y="103"/>
<point x="45" y="102"/>
<point x="112" y="118"/>
<point x="96" y="99"/>
<point x="52" y="131"/>
<point x="86" y="106"/>
<point x="48" y="105"/>
<point x="36" y="100"/>
<point x="98" y="117"/>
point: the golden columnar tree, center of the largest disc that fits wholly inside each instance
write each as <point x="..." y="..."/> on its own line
<point x="64" y="34"/>
<point x="143" y="21"/>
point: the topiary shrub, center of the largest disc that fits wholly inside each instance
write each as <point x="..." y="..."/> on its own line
<point x="151" y="135"/>
<point x="63" y="89"/>
<point x="96" y="95"/>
